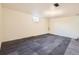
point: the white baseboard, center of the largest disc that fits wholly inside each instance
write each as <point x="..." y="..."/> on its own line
<point x="64" y="35"/>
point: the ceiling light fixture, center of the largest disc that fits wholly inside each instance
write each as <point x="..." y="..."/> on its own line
<point x="56" y="4"/>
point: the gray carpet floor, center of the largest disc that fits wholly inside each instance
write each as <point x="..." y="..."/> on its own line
<point x="47" y="44"/>
<point x="73" y="48"/>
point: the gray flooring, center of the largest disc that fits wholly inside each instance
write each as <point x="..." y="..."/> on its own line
<point x="47" y="44"/>
<point x="73" y="48"/>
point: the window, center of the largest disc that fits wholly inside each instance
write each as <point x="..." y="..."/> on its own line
<point x="35" y="19"/>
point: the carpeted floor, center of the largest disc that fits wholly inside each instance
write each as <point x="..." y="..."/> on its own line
<point x="73" y="48"/>
<point x="47" y="44"/>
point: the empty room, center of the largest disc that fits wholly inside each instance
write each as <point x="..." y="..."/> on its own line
<point x="39" y="28"/>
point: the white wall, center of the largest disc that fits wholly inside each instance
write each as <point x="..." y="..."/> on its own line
<point x="1" y="36"/>
<point x="20" y="25"/>
<point x="65" y="26"/>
